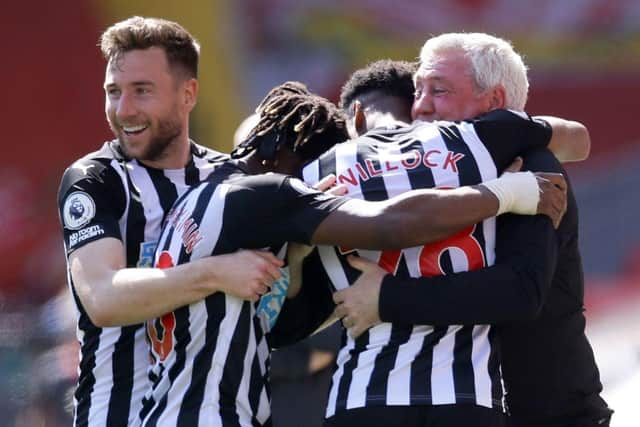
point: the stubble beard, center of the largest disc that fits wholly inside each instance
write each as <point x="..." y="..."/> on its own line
<point x="167" y="133"/>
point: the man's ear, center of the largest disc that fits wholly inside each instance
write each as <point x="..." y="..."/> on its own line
<point x="190" y="93"/>
<point x="497" y="97"/>
<point x="359" y="118"/>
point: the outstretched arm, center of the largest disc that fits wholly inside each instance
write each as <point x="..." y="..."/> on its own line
<point x="114" y="295"/>
<point x="424" y="216"/>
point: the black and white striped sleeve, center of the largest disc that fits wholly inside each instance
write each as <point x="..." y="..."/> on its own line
<point x="90" y="202"/>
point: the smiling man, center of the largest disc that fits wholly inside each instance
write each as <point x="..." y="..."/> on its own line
<point x="112" y="203"/>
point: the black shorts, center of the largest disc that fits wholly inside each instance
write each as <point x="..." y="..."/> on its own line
<point x="419" y="416"/>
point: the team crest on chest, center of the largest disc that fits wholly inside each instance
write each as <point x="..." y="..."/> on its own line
<point x="79" y="209"/>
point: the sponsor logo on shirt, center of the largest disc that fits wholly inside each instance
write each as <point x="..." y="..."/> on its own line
<point x="78" y="210"/>
<point x="147" y="250"/>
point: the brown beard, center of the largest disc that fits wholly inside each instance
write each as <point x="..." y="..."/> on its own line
<point x="168" y="131"/>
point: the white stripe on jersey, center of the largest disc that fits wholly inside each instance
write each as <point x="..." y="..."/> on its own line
<point x="96" y="401"/>
<point x="205" y="167"/>
<point x="442" y="388"/>
<point x="332" y="267"/>
<point x="480" y="354"/>
<point x="197" y="311"/>
<point x="342" y="358"/>
<point x="125" y="184"/>
<point x="211" y="225"/>
<point x="142" y="183"/>
<point x="378" y="336"/>
<point x="311" y="175"/>
<point x="398" y="380"/>
<point x="399" y="389"/>
<point x="394" y="183"/>
<point x="487" y="171"/>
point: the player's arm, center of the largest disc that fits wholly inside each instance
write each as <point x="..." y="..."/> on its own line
<point x="419" y="217"/>
<point x="91" y="200"/>
<point x="513" y="289"/>
<point x="570" y="141"/>
<point x="507" y="133"/>
<point x="114" y="295"/>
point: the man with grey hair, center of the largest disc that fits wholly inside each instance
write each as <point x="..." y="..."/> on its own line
<point x="547" y="362"/>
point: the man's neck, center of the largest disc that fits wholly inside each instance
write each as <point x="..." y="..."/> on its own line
<point x="252" y="165"/>
<point x="378" y="120"/>
<point x="175" y="156"/>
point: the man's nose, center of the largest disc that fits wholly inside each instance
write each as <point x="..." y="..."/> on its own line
<point x="422" y="106"/>
<point x="126" y="107"/>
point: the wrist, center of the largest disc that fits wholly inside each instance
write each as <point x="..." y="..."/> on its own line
<point x="203" y="277"/>
<point x="516" y="192"/>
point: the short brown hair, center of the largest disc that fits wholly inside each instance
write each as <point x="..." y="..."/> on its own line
<point x="137" y="32"/>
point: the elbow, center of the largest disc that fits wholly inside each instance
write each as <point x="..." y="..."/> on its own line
<point x="101" y="317"/>
<point x="584" y="147"/>
<point x="587" y="146"/>
<point x="98" y="312"/>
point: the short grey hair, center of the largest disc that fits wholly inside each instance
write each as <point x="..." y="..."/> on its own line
<point x="493" y="62"/>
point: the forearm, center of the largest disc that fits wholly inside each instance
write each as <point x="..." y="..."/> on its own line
<point x="411" y="219"/>
<point x="493" y="295"/>
<point x="570" y="141"/>
<point x="134" y="295"/>
<point x="431" y="217"/>
<point x="512" y="290"/>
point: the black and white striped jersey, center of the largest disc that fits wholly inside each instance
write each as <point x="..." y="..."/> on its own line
<point x="105" y="194"/>
<point x="396" y="364"/>
<point x="211" y="357"/>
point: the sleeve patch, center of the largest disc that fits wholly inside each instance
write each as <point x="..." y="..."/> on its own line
<point x="78" y="210"/>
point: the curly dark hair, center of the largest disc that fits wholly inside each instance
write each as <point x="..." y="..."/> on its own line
<point x="306" y="123"/>
<point x="181" y="48"/>
<point x="394" y="78"/>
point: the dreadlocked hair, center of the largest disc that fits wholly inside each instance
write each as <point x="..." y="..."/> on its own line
<point x="306" y="123"/>
<point x="290" y="87"/>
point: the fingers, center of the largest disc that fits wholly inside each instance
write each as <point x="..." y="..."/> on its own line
<point x="269" y="257"/>
<point x="553" y="197"/>
<point x="357" y="262"/>
<point x="340" y="311"/>
<point x="325" y="183"/>
<point x="556" y="179"/>
<point x="338" y="190"/>
<point x="268" y="265"/>
<point x="328" y="185"/>
<point x="515" y="166"/>
<point x="353" y="328"/>
<point x="339" y="297"/>
<point x="347" y="322"/>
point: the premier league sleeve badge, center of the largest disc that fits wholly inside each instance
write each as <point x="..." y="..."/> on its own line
<point x="79" y="209"/>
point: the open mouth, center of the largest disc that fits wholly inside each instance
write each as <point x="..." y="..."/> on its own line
<point x="133" y="130"/>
